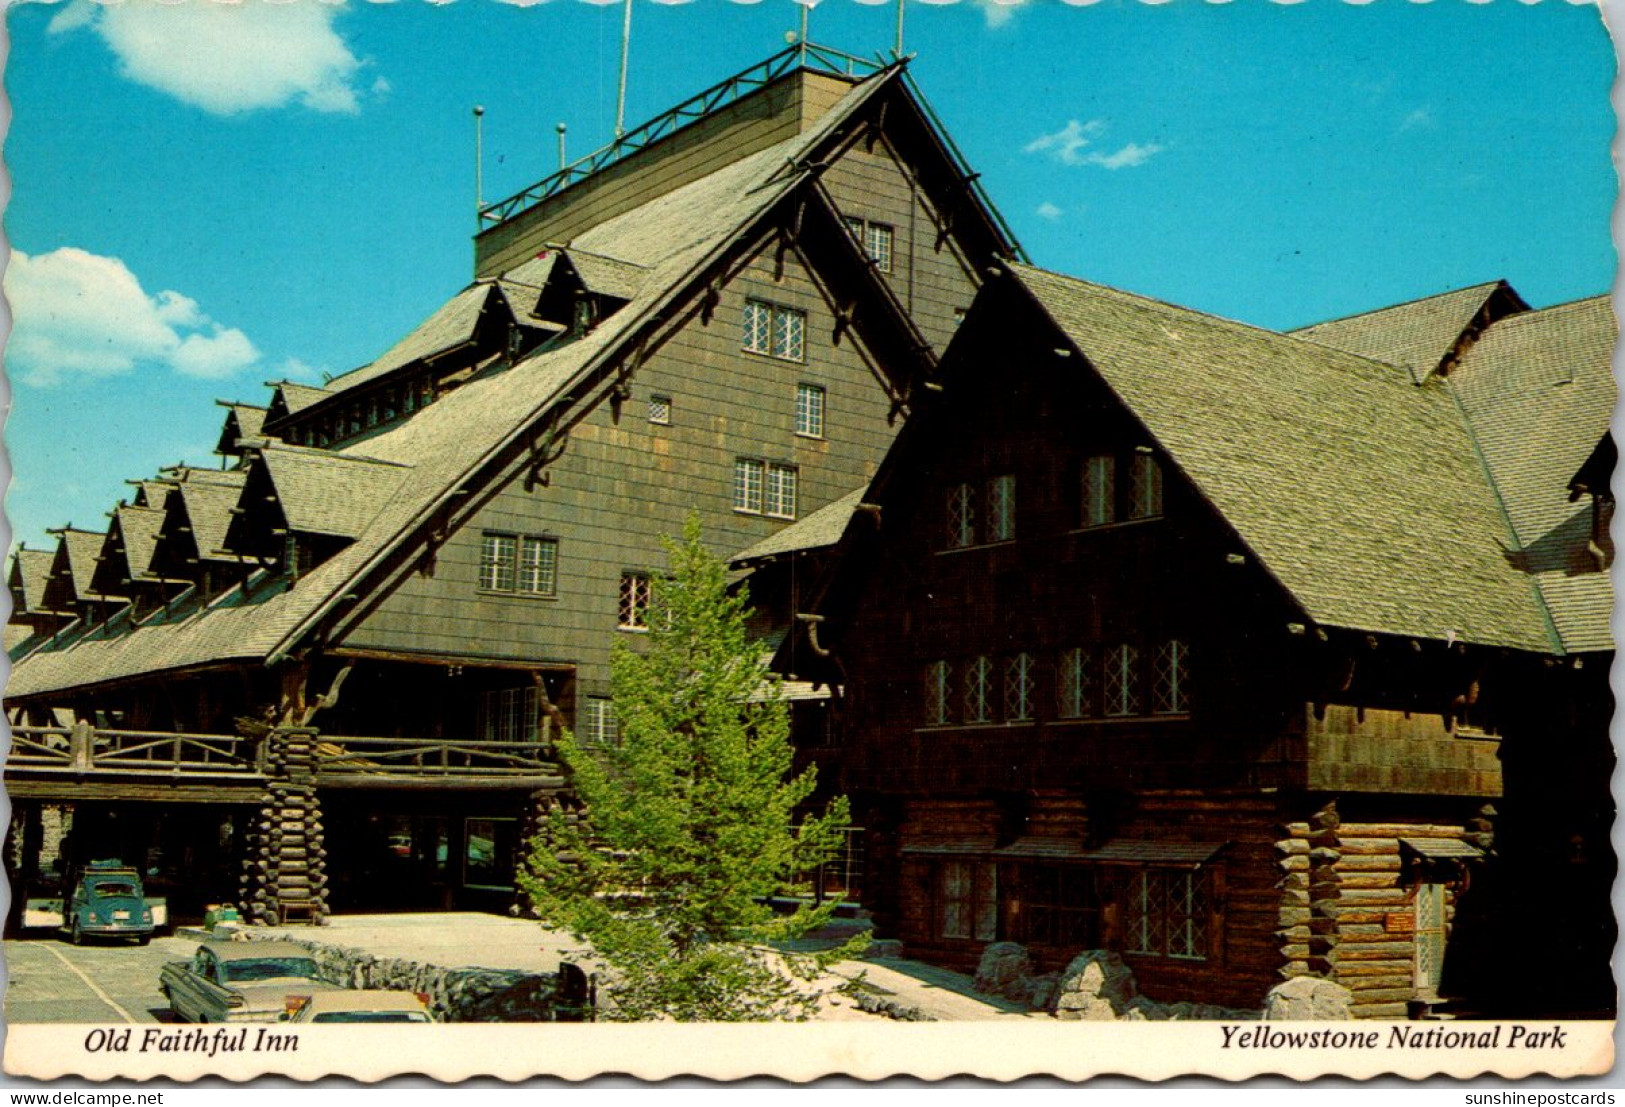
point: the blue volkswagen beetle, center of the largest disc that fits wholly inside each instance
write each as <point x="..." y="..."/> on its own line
<point x="107" y="901"/>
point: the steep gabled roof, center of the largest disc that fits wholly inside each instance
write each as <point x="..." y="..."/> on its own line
<point x="242" y="421"/>
<point x="74" y="567"/>
<point x="1358" y="490"/>
<point x="290" y="398"/>
<point x="30" y="572"/>
<point x="821" y="529"/>
<point x="127" y="553"/>
<point x="203" y="502"/>
<point x="1418" y="335"/>
<point x="470" y="431"/>
<point x="453" y="325"/>
<point x="1538" y="389"/>
<point x="335" y="494"/>
<point x="605" y="275"/>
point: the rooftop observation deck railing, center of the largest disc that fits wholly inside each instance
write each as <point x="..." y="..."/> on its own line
<point x="802" y="55"/>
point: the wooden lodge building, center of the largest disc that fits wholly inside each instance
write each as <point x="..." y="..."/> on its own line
<point x="1245" y="654"/>
<point x="1248" y="655"/>
<point x="327" y="676"/>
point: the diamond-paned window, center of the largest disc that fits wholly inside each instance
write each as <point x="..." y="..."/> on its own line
<point x="961" y="516"/>
<point x="1122" y="684"/>
<point x="1169" y="912"/>
<point x="635" y="596"/>
<point x="978" y="690"/>
<point x="660" y="410"/>
<point x="789" y="334"/>
<point x="1099" y="491"/>
<point x="1020" y="680"/>
<point x="1001" y="509"/>
<point x="1170" y="694"/>
<point x="937" y="675"/>
<point x="1076" y="684"/>
<point x="1144" y="487"/>
<point x="758" y="327"/>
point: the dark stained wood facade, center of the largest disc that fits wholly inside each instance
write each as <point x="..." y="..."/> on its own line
<point x="1035" y="759"/>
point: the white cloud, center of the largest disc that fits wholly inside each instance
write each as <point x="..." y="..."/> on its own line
<point x="293" y="369"/>
<point x="999" y="12"/>
<point x="82" y="314"/>
<point x="1047" y="210"/>
<point x="227" y="57"/>
<point x="1421" y="117"/>
<point x="1071" y="146"/>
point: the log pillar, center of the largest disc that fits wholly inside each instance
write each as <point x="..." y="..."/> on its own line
<point x="1325" y="889"/>
<point x="284" y="857"/>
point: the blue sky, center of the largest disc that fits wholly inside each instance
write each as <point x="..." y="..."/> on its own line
<point x="204" y="200"/>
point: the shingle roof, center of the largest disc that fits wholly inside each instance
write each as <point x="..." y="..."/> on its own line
<point x="242" y="421"/>
<point x="151" y="493"/>
<point x="81" y="548"/>
<point x="329" y="493"/>
<point x="822" y="528"/>
<point x="1415" y="335"/>
<point x="609" y="276"/>
<point x="296" y="397"/>
<point x="452" y="325"/>
<point x="30" y="569"/>
<point x="207" y="502"/>
<point x="1538" y="389"/>
<point x="138" y="527"/>
<point x="1358" y="490"/>
<point x="450" y="439"/>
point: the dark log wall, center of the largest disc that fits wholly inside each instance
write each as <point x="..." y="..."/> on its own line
<point x="622" y="484"/>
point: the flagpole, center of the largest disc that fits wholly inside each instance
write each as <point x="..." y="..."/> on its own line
<point x="899" y="50"/>
<point x="626" y="49"/>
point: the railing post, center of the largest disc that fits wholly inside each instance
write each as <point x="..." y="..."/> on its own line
<point x="81" y="744"/>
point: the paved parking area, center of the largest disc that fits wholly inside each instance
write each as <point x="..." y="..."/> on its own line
<point x="49" y="980"/>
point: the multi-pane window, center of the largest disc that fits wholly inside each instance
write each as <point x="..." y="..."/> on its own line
<point x="779" y="500"/>
<point x="1144" y="487"/>
<point x="967" y="900"/>
<point x="636" y="592"/>
<point x="1122" y="685"/>
<point x="1170" y="690"/>
<point x="961" y="516"/>
<point x="876" y="239"/>
<point x="809" y="411"/>
<point x="598" y="727"/>
<point x="979" y="690"/>
<point x="1099" y="490"/>
<point x="1169" y="912"/>
<point x="660" y="409"/>
<point x="508" y="715"/>
<point x="519" y="563"/>
<point x="1001" y="509"/>
<point x="764" y="488"/>
<point x="775" y="330"/>
<point x="1020" y="681"/>
<point x="937" y="695"/>
<point x="1076" y="684"/>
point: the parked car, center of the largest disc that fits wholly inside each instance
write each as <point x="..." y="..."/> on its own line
<point x="240" y="981"/>
<point x="360" y="1006"/>
<point x="107" y="900"/>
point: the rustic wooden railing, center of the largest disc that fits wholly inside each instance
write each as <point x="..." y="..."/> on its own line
<point x="450" y="757"/>
<point x="84" y="748"/>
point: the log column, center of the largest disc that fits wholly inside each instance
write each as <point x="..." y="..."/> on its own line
<point x="285" y="861"/>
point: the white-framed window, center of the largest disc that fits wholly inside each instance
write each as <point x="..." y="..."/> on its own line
<point x="1169" y="912"/>
<point x="1122" y="683"/>
<point x="1170" y="688"/>
<point x="979" y="690"/>
<point x="961" y="516"/>
<point x="499" y="559"/>
<point x="508" y="715"/>
<point x="875" y="239"/>
<point x="1144" y="487"/>
<point x="765" y="488"/>
<point x="636" y="592"/>
<point x="522" y="564"/>
<point x="810" y="410"/>
<point x="775" y="330"/>
<point x="779" y="500"/>
<point x="749" y="474"/>
<point x="1001" y="508"/>
<point x="937" y="694"/>
<point x="660" y="410"/>
<point x="1020" y="683"/>
<point x="1099" y="491"/>
<point x="967" y="900"/>
<point x="1075" y="684"/>
<point x="598" y="726"/>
